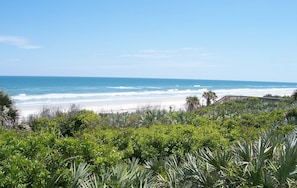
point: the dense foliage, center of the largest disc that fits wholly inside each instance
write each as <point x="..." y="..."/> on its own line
<point x="8" y="113"/>
<point x="245" y="143"/>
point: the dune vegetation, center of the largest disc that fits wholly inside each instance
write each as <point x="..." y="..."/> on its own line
<point x="238" y="143"/>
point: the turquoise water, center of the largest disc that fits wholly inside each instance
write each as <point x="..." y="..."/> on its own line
<point x="35" y="92"/>
<point x="60" y="85"/>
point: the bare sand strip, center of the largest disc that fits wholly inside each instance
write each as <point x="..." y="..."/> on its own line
<point x="110" y="107"/>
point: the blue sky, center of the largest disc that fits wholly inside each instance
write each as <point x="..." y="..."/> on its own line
<point x="196" y="39"/>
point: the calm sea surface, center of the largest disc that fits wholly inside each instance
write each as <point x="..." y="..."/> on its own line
<point x="45" y="91"/>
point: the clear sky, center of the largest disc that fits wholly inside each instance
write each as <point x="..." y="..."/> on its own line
<point x="197" y="39"/>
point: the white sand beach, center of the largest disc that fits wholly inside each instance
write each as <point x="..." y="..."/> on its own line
<point x="129" y="104"/>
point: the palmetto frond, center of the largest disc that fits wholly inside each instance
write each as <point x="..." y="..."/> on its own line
<point x="129" y="175"/>
<point x="219" y="159"/>
<point x="82" y="176"/>
<point x="287" y="167"/>
<point x="199" y="173"/>
<point x="253" y="158"/>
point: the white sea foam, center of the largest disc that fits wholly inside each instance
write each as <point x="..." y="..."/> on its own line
<point x="255" y="92"/>
<point x="123" y="87"/>
<point x="151" y="87"/>
<point x="102" y="95"/>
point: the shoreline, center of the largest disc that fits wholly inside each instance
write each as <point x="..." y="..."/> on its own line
<point x="115" y="104"/>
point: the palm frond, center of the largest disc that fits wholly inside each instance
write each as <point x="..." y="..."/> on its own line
<point x="288" y="161"/>
<point x="82" y="176"/>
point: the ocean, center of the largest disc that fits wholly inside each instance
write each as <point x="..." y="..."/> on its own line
<point x="32" y="94"/>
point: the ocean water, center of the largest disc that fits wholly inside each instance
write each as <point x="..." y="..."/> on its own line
<point x="31" y="94"/>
